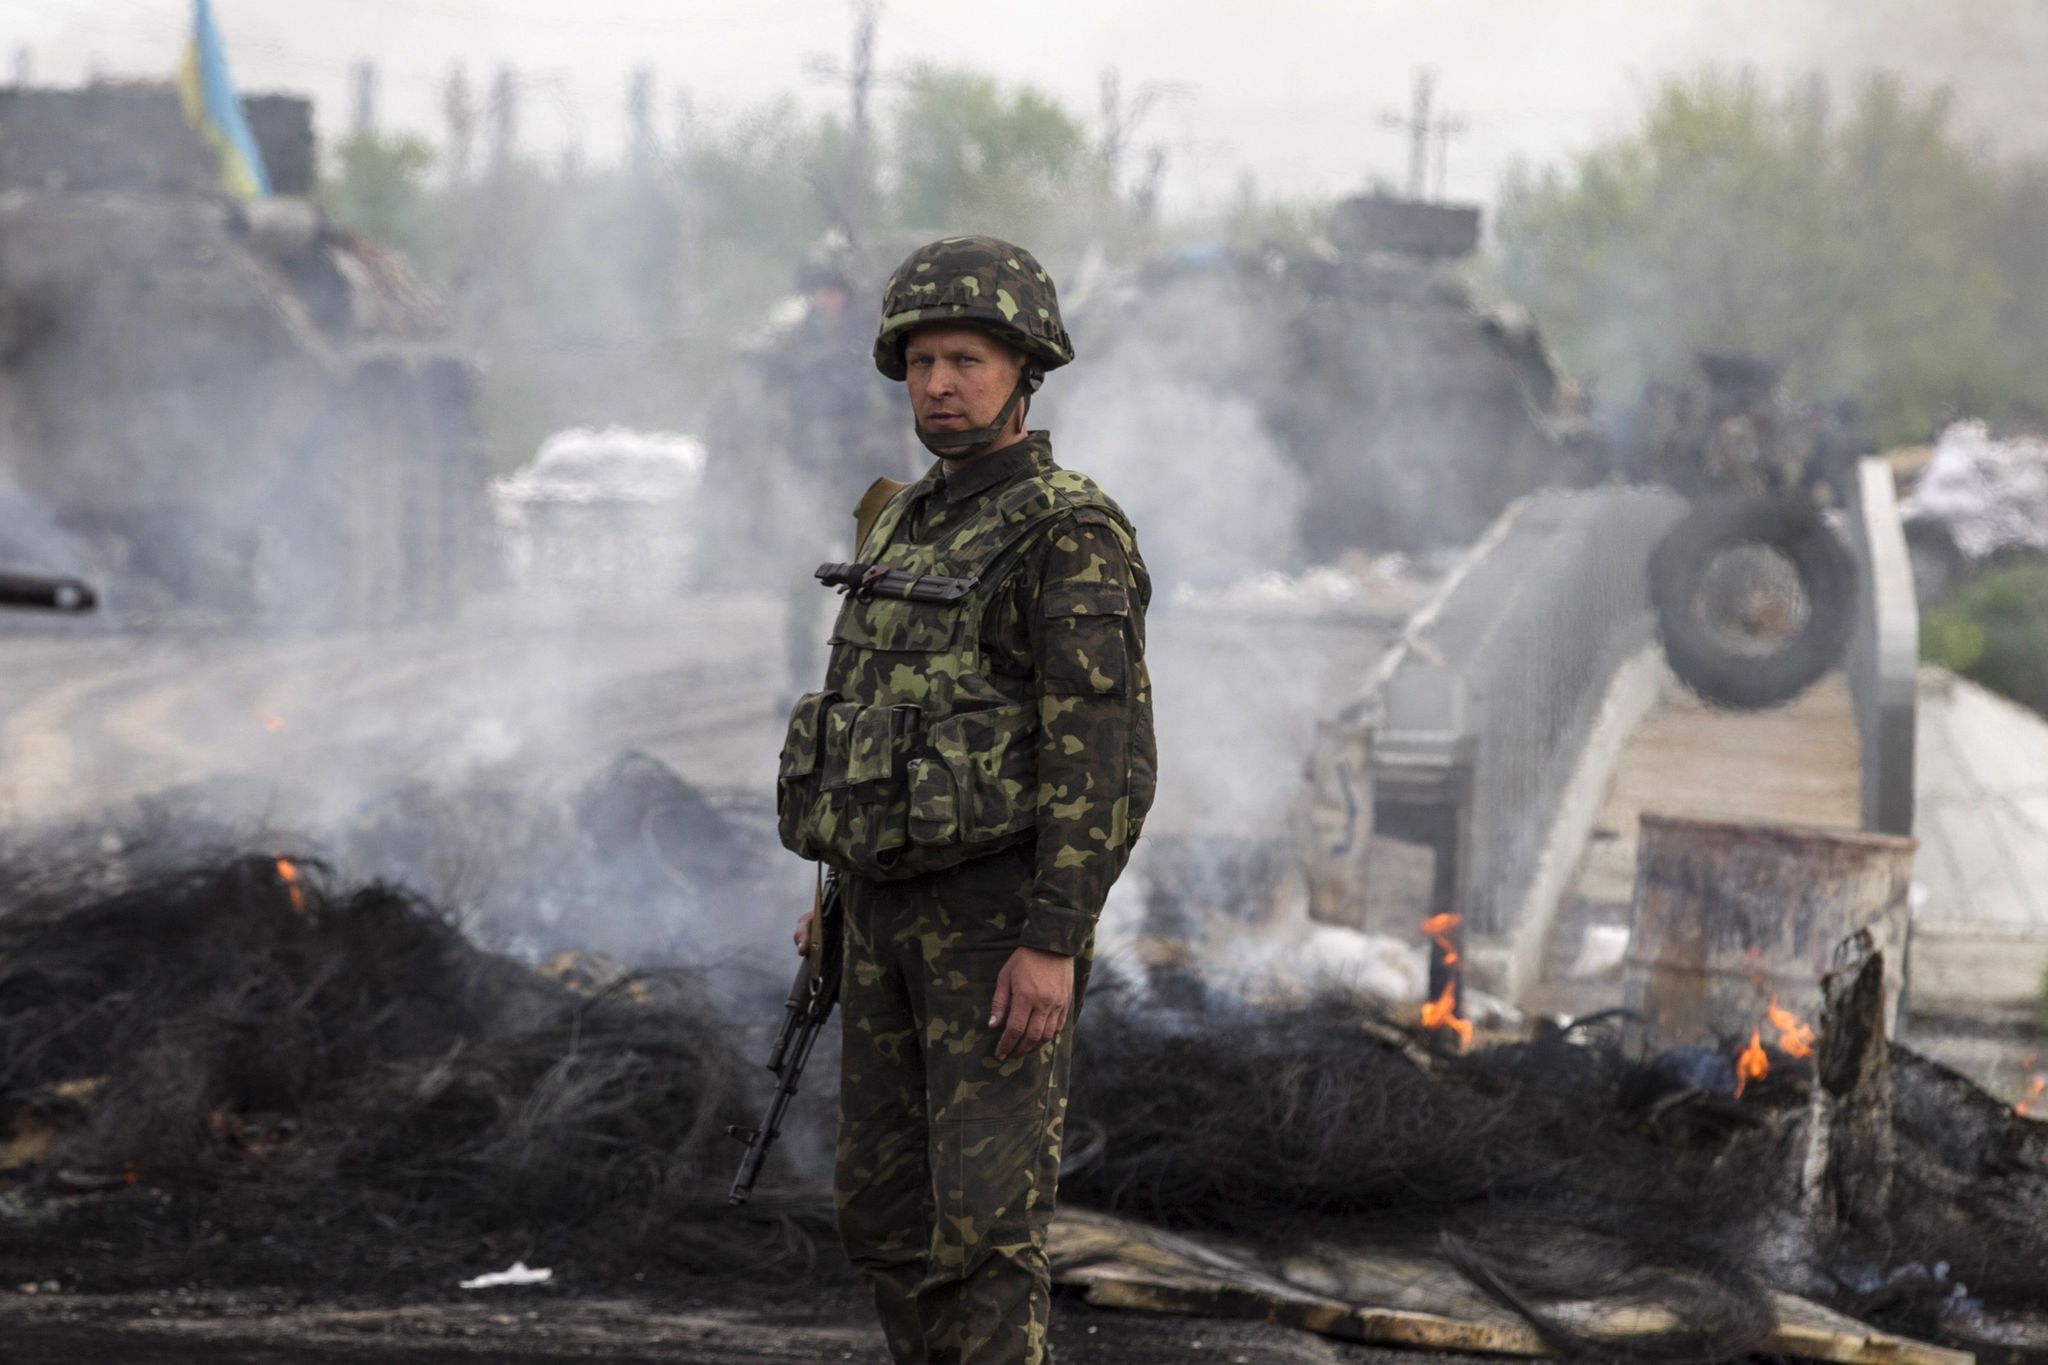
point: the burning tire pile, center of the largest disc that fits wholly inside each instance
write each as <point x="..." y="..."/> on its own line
<point x="243" y="1073"/>
<point x="248" y="1072"/>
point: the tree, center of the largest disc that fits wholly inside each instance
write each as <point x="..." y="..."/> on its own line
<point x="967" y="154"/>
<point x="1995" y="633"/>
<point x="598" y="294"/>
<point x="1868" y="252"/>
<point x="760" y="192"/>
<point x="964" y="145"/>
<point x="378" y="187"/>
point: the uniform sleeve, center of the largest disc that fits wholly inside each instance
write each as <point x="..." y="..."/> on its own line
<point x="1087" y="634"/>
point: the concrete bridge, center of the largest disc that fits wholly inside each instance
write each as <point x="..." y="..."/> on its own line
<point x="1525" y="721"/>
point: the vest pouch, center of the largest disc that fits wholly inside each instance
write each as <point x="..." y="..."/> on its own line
<point x="865" y="743"/>
<point x="934" y="802"/>
<point x="856" y="815"/>
<point x="992" y="759"/>
<point x="796" y="772"/>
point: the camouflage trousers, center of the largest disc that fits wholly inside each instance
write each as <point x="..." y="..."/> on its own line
<point x="948" y="1160"/>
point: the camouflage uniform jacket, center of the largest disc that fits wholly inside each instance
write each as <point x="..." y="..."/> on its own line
<point x="1023" y="713"/>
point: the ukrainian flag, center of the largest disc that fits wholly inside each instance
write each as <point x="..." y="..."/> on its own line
<point x="211" y="105"/>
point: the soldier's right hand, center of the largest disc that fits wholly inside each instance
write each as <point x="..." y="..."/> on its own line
<point x="802" y="936"/>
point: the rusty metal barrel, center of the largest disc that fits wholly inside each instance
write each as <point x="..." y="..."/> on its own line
<point x="1727" y="916"/>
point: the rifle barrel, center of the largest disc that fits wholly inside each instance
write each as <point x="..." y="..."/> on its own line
<point x="810" y="1004"/>
<point x="46" y="594"/>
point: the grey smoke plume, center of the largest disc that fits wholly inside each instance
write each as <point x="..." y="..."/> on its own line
<point x="1988" y="52"/>
<point x="1187" y="456"/>
<point x="31" y="540"/>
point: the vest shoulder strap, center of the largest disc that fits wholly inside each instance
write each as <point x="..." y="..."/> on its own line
<point x="869" y="510"/>
<point x="1011" y="518"/>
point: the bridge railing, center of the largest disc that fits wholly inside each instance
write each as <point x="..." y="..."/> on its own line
<point x="1477" y="716"/>
<point x="1884" y="652"/>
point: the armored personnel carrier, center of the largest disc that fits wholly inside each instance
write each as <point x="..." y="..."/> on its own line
<point x="243" y="411"/>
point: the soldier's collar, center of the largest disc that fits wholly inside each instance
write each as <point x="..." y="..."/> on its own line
<point x="1030" y="455"/>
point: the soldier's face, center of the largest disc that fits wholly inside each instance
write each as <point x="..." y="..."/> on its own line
<point x="959" y="377"/>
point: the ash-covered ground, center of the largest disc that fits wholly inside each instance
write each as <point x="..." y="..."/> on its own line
<point x="254" y="1105"/>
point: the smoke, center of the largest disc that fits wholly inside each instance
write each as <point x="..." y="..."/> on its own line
<point x="31" y="540"/>
<point x="280" y="472"/>
<point x="250" y="432"/>
<point x="1188" y="457"/>
<point x="1169" y="409"/>
<point x="1988" y="53"/>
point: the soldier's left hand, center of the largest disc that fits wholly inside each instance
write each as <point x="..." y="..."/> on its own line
<point x="1034" y="992"/>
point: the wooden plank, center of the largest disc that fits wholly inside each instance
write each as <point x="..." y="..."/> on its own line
<point x="1120" y="1264"/>
<point x="1325" y="1317"/>
<point x="1812" y="1331"/>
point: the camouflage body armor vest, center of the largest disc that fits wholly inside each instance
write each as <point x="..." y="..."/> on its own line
<point x="914" y="758"/>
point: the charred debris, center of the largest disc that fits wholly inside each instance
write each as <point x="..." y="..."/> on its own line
<point x="243" y="1069"/>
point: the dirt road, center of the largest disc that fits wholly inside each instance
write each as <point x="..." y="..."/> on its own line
<point x="95" y="716"/>
<point x="538" y="1328"/>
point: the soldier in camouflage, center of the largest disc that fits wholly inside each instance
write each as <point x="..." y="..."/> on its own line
<point x="979" y="770"/>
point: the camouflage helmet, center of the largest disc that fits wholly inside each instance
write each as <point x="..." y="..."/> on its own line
<point x="983" y="282"/>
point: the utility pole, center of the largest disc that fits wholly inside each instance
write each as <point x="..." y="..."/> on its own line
<point x="859" y="79"/>
<point x="1445" y="131"/>
<point x="1120" y="119"/>
<point x="1422" y="129"/>
<point x="363" y="113"/>
<point x="1113" y="131"/>
<point x="504" y="116"/>
<point x="458" y="111"/>
<point x="1145" y="198"/>
<point x="640" y="140"/>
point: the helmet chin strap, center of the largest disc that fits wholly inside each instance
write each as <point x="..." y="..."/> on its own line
<point x="965" y="445"/>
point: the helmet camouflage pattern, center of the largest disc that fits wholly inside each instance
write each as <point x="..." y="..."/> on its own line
<point x="980" y="281"/>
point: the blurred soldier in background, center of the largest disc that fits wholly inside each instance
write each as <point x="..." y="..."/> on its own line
<point x="795" y="435"/>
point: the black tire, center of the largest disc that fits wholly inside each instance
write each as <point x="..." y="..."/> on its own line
<point x="1724" y="676"/>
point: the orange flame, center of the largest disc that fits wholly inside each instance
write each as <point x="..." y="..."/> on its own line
<point x="1442" y="1012"/>
<point x="1751" y="1064"/>
<point x="288" y="873"/>
<point x="272" y="724"/>
<point x="2035" y="1090"/>
<point x="1437" y="928"/>
<point x="1795" y="1039"/>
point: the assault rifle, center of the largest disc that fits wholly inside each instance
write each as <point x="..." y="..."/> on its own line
<point x="46" y="594"/>
<point x="804" y="1014"/>
<point x="876" y="580"/>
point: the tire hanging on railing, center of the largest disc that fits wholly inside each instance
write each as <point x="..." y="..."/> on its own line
<point x="1699" y="650"/>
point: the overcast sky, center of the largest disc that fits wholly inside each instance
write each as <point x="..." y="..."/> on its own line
<point x="1291" y="91"/>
